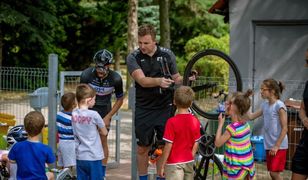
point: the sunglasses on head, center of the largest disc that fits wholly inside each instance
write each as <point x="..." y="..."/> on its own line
<point x="101" y="68"/>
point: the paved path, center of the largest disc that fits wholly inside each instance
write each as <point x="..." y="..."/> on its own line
<point x="123" y="172"/>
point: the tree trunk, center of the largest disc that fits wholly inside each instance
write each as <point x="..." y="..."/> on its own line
<point x="164" y="23"/>
<point x="132" y="39"/>
<point x="117" y="60"/>
<point x="1" y="48"/>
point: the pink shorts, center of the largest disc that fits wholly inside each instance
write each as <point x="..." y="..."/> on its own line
<point x="276" y="163"/>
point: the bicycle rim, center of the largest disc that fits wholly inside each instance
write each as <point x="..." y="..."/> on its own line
<point x="208" y="168"/>
<point x="216" y="73"/>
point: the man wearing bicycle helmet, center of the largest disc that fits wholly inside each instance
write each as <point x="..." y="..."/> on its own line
<point x="147" y="66"/>
<point x="106" y="82"/>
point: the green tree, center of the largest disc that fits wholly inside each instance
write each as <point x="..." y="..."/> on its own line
<point x="132" y="34"/>
<point x="213" y="68"/>
<point x="164" y="23"/>
<point x="190" y="19"/>
<point x="92" y="26"/>
<point x="28" y="32"/>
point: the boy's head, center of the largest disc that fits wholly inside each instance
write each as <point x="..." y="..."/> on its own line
<point x="34" y="122"/>
<point x="84" y="92"/>
<point x="68" y="101"/>
<point x="183" y="97"/>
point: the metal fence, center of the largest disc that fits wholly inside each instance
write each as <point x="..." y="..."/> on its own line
<point x="17" y="85"/>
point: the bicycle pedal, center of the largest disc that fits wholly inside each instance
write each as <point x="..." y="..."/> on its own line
<point x="4" y="171"/>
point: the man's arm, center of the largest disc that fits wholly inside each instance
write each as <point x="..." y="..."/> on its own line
<point x="178" y="79"/>
<point x="302" y="115"/>
<point x="103" y="131"/>
<point x="144" y="81"/>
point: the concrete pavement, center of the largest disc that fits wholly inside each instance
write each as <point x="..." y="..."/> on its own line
<point x="123" y="172"/>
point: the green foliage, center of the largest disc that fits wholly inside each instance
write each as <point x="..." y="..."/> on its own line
<point x="91" y="26"/>
<point x="72" y="29"/>
<point x="214" y="68"/>
<point x="189" y="19"/>
<point x="29" y="29"/>
<point x="206" y="42"/>
<point x="76" y="29"/>
<point x="148" y="13"/>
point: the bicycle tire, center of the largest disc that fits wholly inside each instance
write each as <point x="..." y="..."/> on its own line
<point x="208" y="168"/>
<point x="209" y="114"/>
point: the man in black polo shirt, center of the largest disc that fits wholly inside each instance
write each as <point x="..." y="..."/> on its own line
<point x="300" y="158"/>
<point x="153" y="92"/>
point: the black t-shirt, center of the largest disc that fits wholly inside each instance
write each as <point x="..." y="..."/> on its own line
<point x="305" y="99"/>
<point x="104" y="87"/>
<point x="154" y="97"/>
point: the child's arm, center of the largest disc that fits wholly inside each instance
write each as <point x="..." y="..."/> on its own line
<point x="166" y="153"/>
<point x="284" y="130"/>
<point x="255" y="114"/>
<point x="195" y="148"/>
<point x="220" y="139"/>
<point x="302" y="115"/>
<point x="103" y="131"/>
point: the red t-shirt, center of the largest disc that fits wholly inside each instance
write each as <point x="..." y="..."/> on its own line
<point x="182" y="130"/>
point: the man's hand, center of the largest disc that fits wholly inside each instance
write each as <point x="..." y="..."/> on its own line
<point x="305" y="122"/>
<point x="165" y="83"/>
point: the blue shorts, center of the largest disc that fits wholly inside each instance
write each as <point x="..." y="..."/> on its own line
<point x="89" y="170"/>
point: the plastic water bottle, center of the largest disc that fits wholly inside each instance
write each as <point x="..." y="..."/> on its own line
<point x="221" y="107"/>
<point x="152" y="170"/>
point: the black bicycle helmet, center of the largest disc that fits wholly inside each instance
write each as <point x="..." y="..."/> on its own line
<point x="16" y="134"/>
<point x="102" y="58"/>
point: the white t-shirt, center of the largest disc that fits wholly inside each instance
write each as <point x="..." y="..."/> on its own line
<point x="272" y="126"/>
<point x="88" y="143"/>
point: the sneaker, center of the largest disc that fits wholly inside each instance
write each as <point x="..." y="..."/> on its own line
<point x="63" y="174"/>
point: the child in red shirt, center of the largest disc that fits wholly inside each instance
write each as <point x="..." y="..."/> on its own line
<point x="181" y="135"/>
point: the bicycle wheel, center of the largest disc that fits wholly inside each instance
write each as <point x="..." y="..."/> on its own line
<point x="208" y="168"/>
<point x="216" y="75"/>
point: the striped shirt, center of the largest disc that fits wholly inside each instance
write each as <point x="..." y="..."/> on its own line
<point x="238" y="157"/>
<point x="64" y="125"/>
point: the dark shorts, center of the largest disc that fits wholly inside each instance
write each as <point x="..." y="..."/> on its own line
<point x="147" y="120"/>
<point x="102" y="111"/>
<point x="300" y="158"/>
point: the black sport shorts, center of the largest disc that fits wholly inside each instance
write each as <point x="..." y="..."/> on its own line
<point x="102" y="111"/>
<point x="147" y="120"/>
<point x="300" y="158"/>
